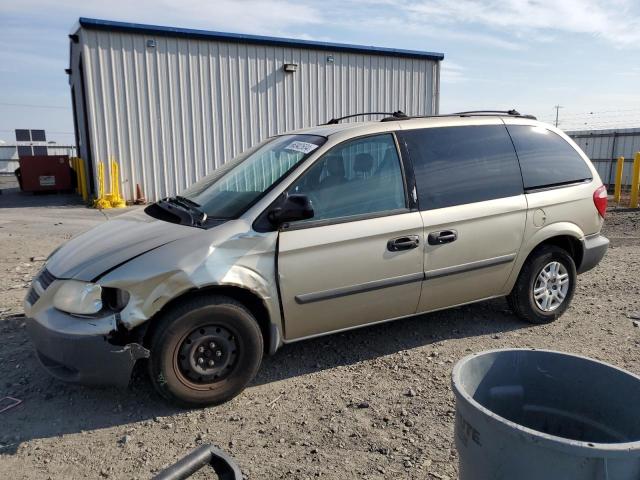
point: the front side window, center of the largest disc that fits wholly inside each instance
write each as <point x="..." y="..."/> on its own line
<point x="236" y="185"/>
<point x="546" y="158"/>
<point x="459" y="165"/>
<point x="357" y="177"/>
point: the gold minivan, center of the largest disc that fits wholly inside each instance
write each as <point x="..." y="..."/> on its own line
<point x="319" y="231"/>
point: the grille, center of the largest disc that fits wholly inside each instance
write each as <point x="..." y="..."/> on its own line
<point x="45" y="279"/>
<point x="32" y="296"/>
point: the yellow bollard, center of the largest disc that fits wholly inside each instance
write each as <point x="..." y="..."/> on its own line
<point x="114" y="182"/>
<point x="618" y="186"/>
<point x="635" y="181"/>
<point x="101" y="202"/>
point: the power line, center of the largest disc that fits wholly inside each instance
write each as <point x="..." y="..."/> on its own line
<point x="586" y="116"/>
<point x="598" y="127"/>
<point x="597" y="112"/>
<point x="593" y="112"/>
<point x="602" y="118"/>
<point x="601" y="122"/>
<point x="563" y="124"/>
<point x="620" y="118"/>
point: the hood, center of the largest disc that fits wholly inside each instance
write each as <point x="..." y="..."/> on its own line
<point x="113" y="243"/>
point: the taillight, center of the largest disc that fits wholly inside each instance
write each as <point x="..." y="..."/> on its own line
<point x="600" y="200"/>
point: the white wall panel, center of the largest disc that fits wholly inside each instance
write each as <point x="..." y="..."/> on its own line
<point x="172" y="113"/>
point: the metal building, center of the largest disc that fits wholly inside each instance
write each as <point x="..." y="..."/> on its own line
<point x="172" y="104"/>
<point x="604" y="147"/>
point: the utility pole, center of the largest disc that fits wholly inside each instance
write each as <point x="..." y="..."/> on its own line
<point x="557" y="107"/>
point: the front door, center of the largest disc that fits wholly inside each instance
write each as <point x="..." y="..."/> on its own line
<point x="359" y="259"/>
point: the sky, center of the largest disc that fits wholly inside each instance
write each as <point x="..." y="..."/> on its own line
<point x="532" y="55"/>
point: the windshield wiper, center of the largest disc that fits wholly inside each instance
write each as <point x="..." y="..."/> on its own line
<point x="187" y="201"/>
<point x="196" y="215"/>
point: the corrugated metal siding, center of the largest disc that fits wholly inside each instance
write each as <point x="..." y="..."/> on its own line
<point x="604" y="147"/>
<point x="173" y="113"/>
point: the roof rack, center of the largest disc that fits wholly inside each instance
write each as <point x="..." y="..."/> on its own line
<point x="399" y="115"/>
<point x="512" y="112"/>
<point x="391" y="115"/>
<point x="473" y="113"/>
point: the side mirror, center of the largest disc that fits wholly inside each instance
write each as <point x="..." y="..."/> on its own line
<point x="293" y="207"/>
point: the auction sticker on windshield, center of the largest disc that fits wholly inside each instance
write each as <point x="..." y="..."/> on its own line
<point x="303" y="147"/>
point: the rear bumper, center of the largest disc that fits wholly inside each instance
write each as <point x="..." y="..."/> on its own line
<point x="594" y="249"/>
<point x="87" y="359"/>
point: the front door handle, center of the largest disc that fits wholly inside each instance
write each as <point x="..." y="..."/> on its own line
<point x="445" y="236"/>
<point x="403" y="243"/>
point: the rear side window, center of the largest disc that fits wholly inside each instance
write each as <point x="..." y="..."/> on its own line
<point x="546" y="158"/>
<point x="458" y="165"/>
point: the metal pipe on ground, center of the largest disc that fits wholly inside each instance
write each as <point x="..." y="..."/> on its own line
<point x="222" y="463"/>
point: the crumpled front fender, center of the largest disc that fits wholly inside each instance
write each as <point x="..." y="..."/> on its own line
<point x="230" y="256"/>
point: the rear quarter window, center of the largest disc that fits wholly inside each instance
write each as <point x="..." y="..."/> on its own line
<point x="460" y="165"/>
<point x="546" y="158"/>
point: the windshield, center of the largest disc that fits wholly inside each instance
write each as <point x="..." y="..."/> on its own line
<point x="236" y="185"/>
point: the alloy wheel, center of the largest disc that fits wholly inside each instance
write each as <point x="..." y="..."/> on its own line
<point x="551" y="286"/>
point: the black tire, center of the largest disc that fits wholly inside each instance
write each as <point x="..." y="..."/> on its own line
<point x="229" y="337"/>
<point x="521" y="299"/>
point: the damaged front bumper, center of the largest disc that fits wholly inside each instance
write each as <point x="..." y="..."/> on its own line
<point x="78" y="350"/>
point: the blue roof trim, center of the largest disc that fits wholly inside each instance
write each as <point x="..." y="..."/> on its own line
<point x="255" y="39"/>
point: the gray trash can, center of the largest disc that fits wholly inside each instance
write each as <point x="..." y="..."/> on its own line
<point x="537" y="414"/>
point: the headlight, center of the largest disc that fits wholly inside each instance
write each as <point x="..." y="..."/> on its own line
<point x="78" y="297"/>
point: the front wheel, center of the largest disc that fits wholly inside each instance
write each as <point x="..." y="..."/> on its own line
<point x="205" y="351"/>
<point x="545" y="286"/>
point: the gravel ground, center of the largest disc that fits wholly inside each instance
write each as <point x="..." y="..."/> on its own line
<point x="373" y="403"/>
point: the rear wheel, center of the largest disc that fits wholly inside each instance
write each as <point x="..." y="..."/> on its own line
<point x="205" y="351"/>
<point x="545" y="286"/>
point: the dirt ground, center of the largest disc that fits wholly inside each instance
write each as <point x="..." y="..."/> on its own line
<point x="373" y="403"/>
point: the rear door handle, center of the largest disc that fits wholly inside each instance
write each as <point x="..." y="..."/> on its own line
<point x="445" y="236"/>
<point x="403" y="243"/>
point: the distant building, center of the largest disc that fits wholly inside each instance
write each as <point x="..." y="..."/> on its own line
<point x="9" y="155"/>
<point x="604" y="147"/>
<point x="172" y="104"/>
